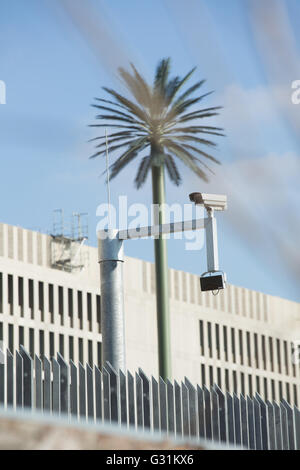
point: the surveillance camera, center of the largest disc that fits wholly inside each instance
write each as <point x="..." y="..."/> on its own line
<point x="210" y="201"/>
<point x="212" y="282"/>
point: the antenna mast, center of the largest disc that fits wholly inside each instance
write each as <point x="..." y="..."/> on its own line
<point x="107" y="179"/>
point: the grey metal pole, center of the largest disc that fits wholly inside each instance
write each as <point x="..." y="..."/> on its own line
<point x="111" y="259"/>
<point x="211" y="242"/>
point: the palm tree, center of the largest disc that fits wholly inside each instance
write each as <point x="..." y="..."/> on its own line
<point x="160" y="119"/>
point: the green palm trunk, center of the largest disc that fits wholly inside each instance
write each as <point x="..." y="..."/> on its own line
<point x="162" y="279"/>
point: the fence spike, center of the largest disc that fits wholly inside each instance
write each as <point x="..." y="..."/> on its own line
<point x="185" y="410"/>
<point x="222" y="415"/>
<point x="73" y="390"/>
<point x="208" y="422"/>
<point x="28" y="378"/>
<point x="98" y="392"/>
<point x="19" y="380"/>
<point x="264" y="427"/>
<point x="106" y="395"/>
<point x="278" y="426"/>
<point x="131" y="399"/>
<point x="178" y="409"/>
<point x="215" y="415"/>
<point x="201" y="415"/>
<point x="155" y="405"/>
<point x="244" y="422"/>
<point x="114" y="392"/>
<point x="170" y="408"/>
<point x="47" y="386"/>
<point x="139" y="401"/>
<point x="9" y="378"/>
<point x="284" y="426"/>
<point x="2" y="377"/>
<point x="90" y="392"/>
<point x="290" y="424"/>
<point x="192" y="407"/>
<point x="251" y="425"/>
<point x="123" y="398"/>
<point x="237" y="420"/>
<point x="146" y="399"/>
<point x="56" y="387"/>
<point x="296" y="413"/>
<point x="64" y="384"/>
<point x="230" y="419"/>
<point x="271" y="425"/>
<point x="38" y="383"/>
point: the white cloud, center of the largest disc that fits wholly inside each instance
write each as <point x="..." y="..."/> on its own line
<point x="242" y="105"/>
<point x="247" y="113"/>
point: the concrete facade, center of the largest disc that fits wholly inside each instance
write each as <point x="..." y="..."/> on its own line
<point x="241" y="339"/>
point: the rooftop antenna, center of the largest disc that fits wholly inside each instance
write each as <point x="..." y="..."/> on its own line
<point x="107" y="179"/>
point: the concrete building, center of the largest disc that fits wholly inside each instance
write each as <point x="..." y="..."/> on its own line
<point x="241" y="339"/>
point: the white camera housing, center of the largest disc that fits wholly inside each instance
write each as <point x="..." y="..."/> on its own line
<point x="217" y="202"/>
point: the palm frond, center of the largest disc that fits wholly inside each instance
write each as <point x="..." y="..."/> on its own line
<point x="114" y="140"/>
<point x="187" y="159"/>
<point x="135" y="109"/>
<point x="196" y="159"/>
<point x="172" y="170"/>
<point x="119" y="165"/>
<point x="204" y="154"/>
<point x="171" y="88"/>
<point x="136" y="87"/>
<point x="182" y="82"/>
<point x="135" y="147"/>
<point x="188" y="92"/>
<point x="115" y="134"/>
<point x="111" y="110"/>
<point x="142" y="83"/>
<point x="161" y="76"/>
<point x="112" y="117"/>
<point x="196" y="130"/>
<point x="187" y="138"/>
<point x="119" y="105"/>
<point x="182" y="106"/>
<point x="142" y="172"/>
<point x="200" y="113"/>
<point x="113" y="148"/>
<point x="163" y="116"/>
<point x="118" y="126"/>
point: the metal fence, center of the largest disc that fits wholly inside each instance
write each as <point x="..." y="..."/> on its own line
<point x="180" y="410"/>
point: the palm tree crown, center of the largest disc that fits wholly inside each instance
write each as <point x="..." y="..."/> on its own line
<point x="160" y="119"/>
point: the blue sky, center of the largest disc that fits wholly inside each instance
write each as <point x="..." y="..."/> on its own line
<point x="52" y="72"/>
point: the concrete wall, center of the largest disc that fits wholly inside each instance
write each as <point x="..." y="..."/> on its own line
<point x="33" y="431"/>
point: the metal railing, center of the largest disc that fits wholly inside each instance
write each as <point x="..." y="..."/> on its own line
<point x="136" y="401"/>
